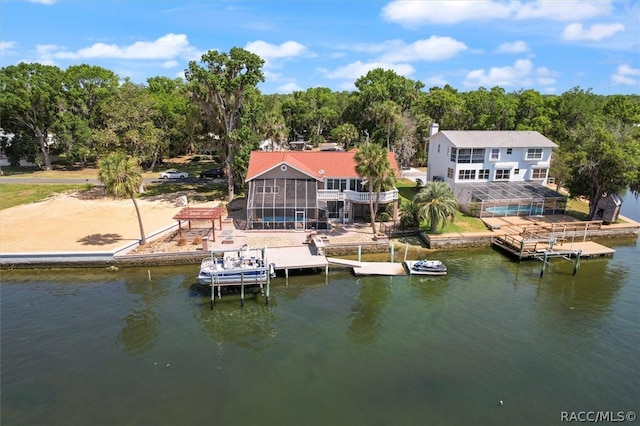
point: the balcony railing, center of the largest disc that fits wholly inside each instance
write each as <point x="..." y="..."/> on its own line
<point x="355" y="196"/>
<point x="363" y="197"/>
<point x="330" y="194"/>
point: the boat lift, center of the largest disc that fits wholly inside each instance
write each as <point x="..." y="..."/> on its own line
<point x="267" y="269"/>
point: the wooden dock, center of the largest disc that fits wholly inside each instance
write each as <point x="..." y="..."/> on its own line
<point x="554" y="239"/>
<point x="370" y="268"/>
<point x="296" y="258"/>
<point x="531" y="248"/>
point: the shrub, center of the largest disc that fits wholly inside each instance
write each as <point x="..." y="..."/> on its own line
<point x="383" y="217"/>
<point x="182" y="241"/>
<point x="197" y="240"/>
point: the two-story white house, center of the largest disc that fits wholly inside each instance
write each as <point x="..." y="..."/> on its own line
<point x="502" y="171"/>
<point x="308" y="189"/>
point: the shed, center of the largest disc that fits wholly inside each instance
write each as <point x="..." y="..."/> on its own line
<point x="608" y="208"/>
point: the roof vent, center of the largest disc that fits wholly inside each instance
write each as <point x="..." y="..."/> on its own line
<point x="283" y="167"/>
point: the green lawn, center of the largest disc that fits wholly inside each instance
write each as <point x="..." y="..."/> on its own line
<point x="197" y="192"/>
<point x="463" y="222"/>
<point x="15" y="194"/>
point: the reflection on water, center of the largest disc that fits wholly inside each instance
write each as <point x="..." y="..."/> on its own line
<point x="103" y="348"/>
<point x="365" y="312"/>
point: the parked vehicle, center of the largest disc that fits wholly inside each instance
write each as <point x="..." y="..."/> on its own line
<point x="218" y="172"/>
<point x="173" y="174"/>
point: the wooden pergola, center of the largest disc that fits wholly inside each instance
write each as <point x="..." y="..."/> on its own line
<point x="200" y="213"/>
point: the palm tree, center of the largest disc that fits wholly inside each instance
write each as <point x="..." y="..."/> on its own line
<point x="409" y="216"/>
<point x="121" y="177"/>
<point x="373" y="165"/>
<point x="274" y="127"/>
<point x="436" y="203"/>
<point x="388" y="114"/>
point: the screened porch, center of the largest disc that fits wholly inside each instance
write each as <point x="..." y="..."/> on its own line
<point x="284" y="203"/>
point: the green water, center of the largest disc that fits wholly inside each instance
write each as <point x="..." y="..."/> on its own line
<point x="115" y="348"/>
<point x="91" y="347"/>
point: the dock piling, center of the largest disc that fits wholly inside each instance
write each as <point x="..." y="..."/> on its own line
<point x="544" y="264"/>
<point x="266" y="298"/>
<point x="242" y="289"/>
<point x="576" y="264"/>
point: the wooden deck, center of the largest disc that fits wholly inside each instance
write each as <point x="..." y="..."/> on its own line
<point x="370" y="268"/>
<point x="288" y="258"/>
<point x="531" y="248"/>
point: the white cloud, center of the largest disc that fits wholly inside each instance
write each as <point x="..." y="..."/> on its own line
<point x="627" y="75"/>
<point x="517" y="75"/>
<point x="7" y="47"/>
<point x="562" y="10"/>
<point x="515" y="47"/>
<point x="169" y="64"/>
<point x="436" y="80"/>
<point x="545" y="77"/>
<point x="289" y="88"/>
<point x="432" y="49"/>
<point x="414" y="13"/>
<point x="357" y="69"/>
<point x="45" y="2"/>
<point x="268" y="51"/>
<point x="597" y="32"/>
<point x="165" y="47"/>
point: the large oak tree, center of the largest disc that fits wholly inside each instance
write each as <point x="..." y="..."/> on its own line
<point x="220" y="86"/>
<point x="30" y="97"/>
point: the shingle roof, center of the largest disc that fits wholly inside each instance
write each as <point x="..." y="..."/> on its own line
<point x="496" y="139"/>
<point x="336" y="164"/>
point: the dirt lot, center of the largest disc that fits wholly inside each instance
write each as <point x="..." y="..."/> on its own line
<point x="81" y="222"/>
<point x="91" y="222"/>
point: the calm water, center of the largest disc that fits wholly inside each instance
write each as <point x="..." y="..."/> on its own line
<point x="93" y="347"/>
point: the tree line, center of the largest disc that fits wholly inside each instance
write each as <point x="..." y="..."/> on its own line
<point x="85" y="112"/>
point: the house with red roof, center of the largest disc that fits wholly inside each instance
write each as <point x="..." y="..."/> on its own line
<point x="301" y="190"/>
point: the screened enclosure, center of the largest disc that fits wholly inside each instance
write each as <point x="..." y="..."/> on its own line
<point x="284" y="203"/>
<point x="491" y="199"/>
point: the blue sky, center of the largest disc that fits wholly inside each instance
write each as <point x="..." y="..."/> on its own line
<point x="549" y="46"/>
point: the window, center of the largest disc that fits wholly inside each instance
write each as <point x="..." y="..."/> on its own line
<point x="495" y="154"/>
<point x="454" y="152"/>
<point x="516" y="171"/>
<point x="509" y="151"/>
<point x="450" y="173"/>
<point x="466" y="174"/>
<point x="438" y="147"/>
<point x="502" y="174"/>
<point x="464" y="155"/>
<point x="534" y="154"/>
<point x="468" y="155"/>
<point x="477" y="155"/>
<point x="483" y="174"/>
<point x="339" y="184"/>
<point x="539" y="174"/>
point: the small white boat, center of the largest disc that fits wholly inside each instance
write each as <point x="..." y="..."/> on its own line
<point x="426" y="267"/>
<point x="234" y="267"/>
